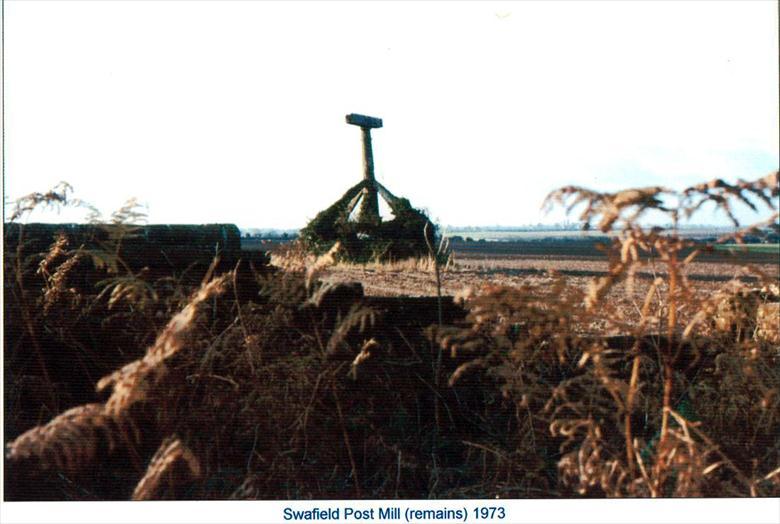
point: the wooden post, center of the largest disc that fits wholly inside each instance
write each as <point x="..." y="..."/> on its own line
<point x="369" y="205"/>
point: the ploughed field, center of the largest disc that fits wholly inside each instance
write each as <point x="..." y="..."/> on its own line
<point x="514" y="263"/>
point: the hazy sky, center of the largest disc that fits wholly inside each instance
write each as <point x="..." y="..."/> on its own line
<point x="213" y="111"/>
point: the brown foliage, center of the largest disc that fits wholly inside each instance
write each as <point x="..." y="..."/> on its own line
<point x="72" y="439"/>
<point x="160" y="471"/>
<point x="310" y="390"/>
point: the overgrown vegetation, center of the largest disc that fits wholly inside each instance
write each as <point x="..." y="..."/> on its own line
<point x="405" y="236"/>
<point x="258" y="384"/>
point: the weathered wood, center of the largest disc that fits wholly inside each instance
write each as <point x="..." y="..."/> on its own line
<point x="364" y="121"/>
<point x="353" y="203"/>
<point x="367" y="237"/>
<point x="390" y="198"/>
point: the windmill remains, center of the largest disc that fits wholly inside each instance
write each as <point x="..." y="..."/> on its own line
<point x="363" y="234"/>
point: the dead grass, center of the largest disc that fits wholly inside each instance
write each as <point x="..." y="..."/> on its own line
<point x="292" y="386"/>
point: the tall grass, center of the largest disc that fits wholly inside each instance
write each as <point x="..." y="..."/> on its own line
<point x="279" y="386"/>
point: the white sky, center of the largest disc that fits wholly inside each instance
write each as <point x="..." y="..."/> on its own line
<point x="213" y="111"/>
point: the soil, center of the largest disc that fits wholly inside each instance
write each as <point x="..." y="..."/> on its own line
<point x="476" y="264"/>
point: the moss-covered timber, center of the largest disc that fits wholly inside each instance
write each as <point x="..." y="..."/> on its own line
<point x="362" y="240"/>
